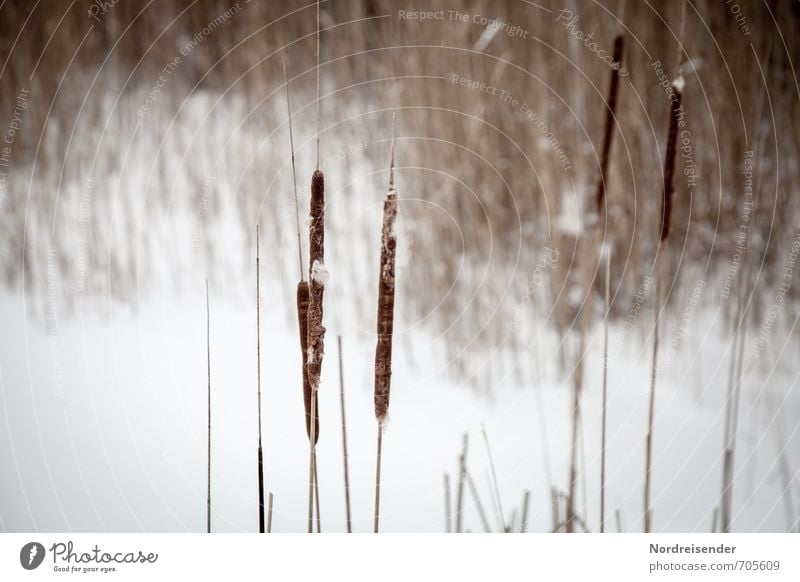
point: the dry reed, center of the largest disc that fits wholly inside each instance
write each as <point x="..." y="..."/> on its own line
<point x="462" y="477"/>
<point x="448" y="518"/>
<point x="269" y="514"/>
<point x="383" y="349"/>
<point x="604" y="422"/>
<point x="344" y="438"/>
<point x="586" y="272"/>
<point x="261" y="523"/>
<point x="208" y="361"/>
<point x="666" y="214"/>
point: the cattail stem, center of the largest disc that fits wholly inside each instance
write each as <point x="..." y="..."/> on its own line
<point x="500" y="514"/>
<point x="261" y="523"/>
<point x="294" y="173"/>
<point x="269" y="514"/>
<point x="316" y="495"/>
<point x="344" y="438"/>
<point x="462" y="477"/>
<point x="208" y="355"/>
<point x="378" y="478"/>
<point x="318" y="113"/>
<point x="474" y="491"/>
<point x="448" y="518"/>
<point x="676" y="113"/>
<point x="312" y="462"/>
<point x="525" y="502"/>
<point x="605" y="397"/>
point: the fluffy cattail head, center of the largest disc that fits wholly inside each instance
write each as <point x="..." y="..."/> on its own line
<point x="675" y="118"/>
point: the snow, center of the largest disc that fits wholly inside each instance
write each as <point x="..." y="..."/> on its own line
<point x="121" y="445"/>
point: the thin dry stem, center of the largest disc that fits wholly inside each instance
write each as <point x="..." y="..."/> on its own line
<point x="344" y="438"/>
<point x="605" y="397"/>
<point x="208" y="354"/>
<point x="294" y="174"/>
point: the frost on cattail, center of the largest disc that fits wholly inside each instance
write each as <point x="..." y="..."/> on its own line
<point x="315" y="330"/>
<point x="675" y="115"/>
<point x="302" y="318"/>
<point x="386" y="286"/>
<point x="319" y="274"/>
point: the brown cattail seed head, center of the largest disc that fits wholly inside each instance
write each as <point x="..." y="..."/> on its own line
<point x="613" y="90"/>
<point x="302" y="318"/>
<point x="317" y="277"/>
<point x="386" y="286"/>
<point x="675" y="117"/>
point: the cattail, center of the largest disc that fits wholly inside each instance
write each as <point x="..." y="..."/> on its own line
<point x="585" y="270"/>
<point x="261" y="522"/>
<point x="315" y="332"/>
<point x="608" y="134"/>
<point x="383" y="350"/>
<point x="208" y="361"/>
<point x="676" y="113"/>
<point x="302" y="319"/>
